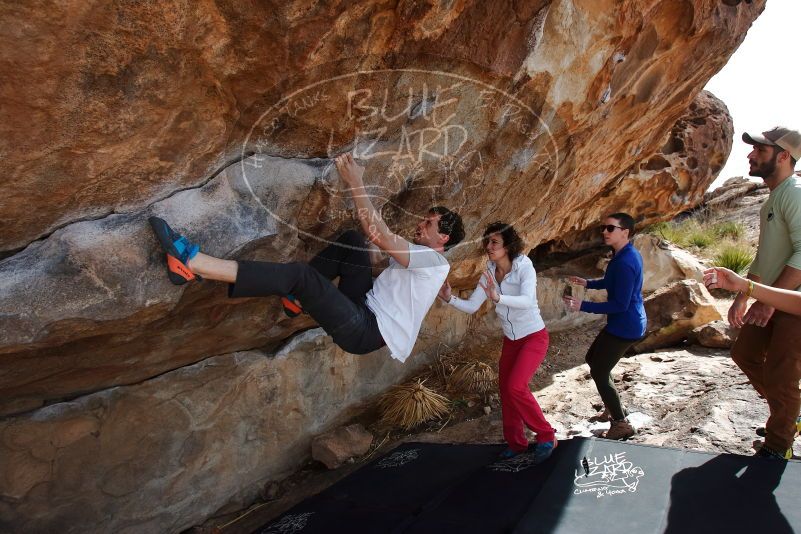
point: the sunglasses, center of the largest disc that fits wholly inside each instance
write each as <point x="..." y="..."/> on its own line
<point x="610" y="228"/>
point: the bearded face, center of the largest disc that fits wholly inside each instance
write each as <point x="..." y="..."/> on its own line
<point x="762" y="160"/>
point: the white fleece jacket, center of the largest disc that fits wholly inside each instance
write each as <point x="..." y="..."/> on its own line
<point x="517" y="308"/>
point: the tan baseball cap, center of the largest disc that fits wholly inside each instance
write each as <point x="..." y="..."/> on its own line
<point x="785" y="138"/>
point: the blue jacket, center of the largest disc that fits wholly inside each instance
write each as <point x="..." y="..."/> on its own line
<point x="625" y="314"/>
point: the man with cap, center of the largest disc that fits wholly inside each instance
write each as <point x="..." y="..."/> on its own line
<point x="768" y="349"/>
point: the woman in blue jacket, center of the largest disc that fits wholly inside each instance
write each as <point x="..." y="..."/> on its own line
<point x="625" y="316"/>
<point x="510" y="281"/>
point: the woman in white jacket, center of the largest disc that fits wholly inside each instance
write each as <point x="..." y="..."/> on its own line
<point x="511" y="283"/>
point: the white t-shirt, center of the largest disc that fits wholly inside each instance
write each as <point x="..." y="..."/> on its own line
<point x="401" y="297"/>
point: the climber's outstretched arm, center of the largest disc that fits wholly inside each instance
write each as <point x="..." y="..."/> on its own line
<point x="370" y="219"/>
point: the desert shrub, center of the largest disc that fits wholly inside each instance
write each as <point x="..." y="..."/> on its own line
<point x="473" y="377"/>
<point x="698" y="233"/>
<point x="665" y="230"/>
<point x="683" y="233"/>
<point x="409" y="405"/>
<point x="669" y="231"/>
<point x="734" y="256"/>
<point x="729" y="229"/>
<point x="700" y="237"/>
<point x="658" y="229"/>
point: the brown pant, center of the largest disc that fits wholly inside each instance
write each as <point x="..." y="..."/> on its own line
<point x="770" y="357"/>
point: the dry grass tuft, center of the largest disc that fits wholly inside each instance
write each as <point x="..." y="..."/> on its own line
<point x="447" y="361"/>
<point x="409" y="405"/>
<point x="473" y="377"/>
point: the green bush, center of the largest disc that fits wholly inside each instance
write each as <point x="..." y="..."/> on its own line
<point x="697" y="233"/>
<point x="660" y="229"/>
<point x="730" y="229"/>
<point x="700" y="238"/>
<point x="657" y="228"/>
<point x="676" y="233"/>
<point x="736" y="257"/>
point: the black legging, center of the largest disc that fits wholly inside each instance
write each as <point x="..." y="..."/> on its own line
<point x="340" y="311"/>
<point x="349" y="260"/>
<point x="602" y="356"/>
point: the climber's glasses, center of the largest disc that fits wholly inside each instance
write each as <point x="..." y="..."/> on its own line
<point x="609" y="228"/>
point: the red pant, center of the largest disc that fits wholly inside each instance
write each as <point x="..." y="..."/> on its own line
<point x="519" y="361"/>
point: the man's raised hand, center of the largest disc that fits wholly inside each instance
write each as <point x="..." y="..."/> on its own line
<point x="350" y="171"/>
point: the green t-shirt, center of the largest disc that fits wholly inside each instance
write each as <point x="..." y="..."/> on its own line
<point x="779" y="232"/>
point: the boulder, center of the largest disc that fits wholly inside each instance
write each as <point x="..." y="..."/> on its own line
<point x="87" y="306"/>
<point x="115" y="105"/>
<point x="674" y="311"/>
<point x="731" y="190"/>
<point x="171" y="451"/>
<point x="337" y="446"/>
<point x="716" y="335"/>
<point x="90" y="307"/>
<point x="128" y="404"/>
<point x="664" y="263"/>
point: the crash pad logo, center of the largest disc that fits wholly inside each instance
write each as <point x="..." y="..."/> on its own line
<point x="288" y="524"/>
<point x="397" y="459"/>
<point x="611" y="474"/>
<point x="514" y="465"/>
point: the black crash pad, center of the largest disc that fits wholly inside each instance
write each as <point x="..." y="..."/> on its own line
<point x="588" y="485"/>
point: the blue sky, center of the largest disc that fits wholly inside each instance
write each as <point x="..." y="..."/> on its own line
<point x="759" y="84"/>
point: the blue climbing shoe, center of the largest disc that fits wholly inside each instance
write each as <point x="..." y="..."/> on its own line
<point x="542" y="451"/>
<point x="179" y="251"/>
<point x="508" y="454"/>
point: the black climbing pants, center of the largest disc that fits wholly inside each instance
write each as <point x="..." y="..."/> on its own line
<point x="340" y="311"/>
<point x="602" y="356"/>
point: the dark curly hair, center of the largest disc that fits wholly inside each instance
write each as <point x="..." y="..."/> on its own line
<point x="450" y="224"/>
<point x="512" y="241"/>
